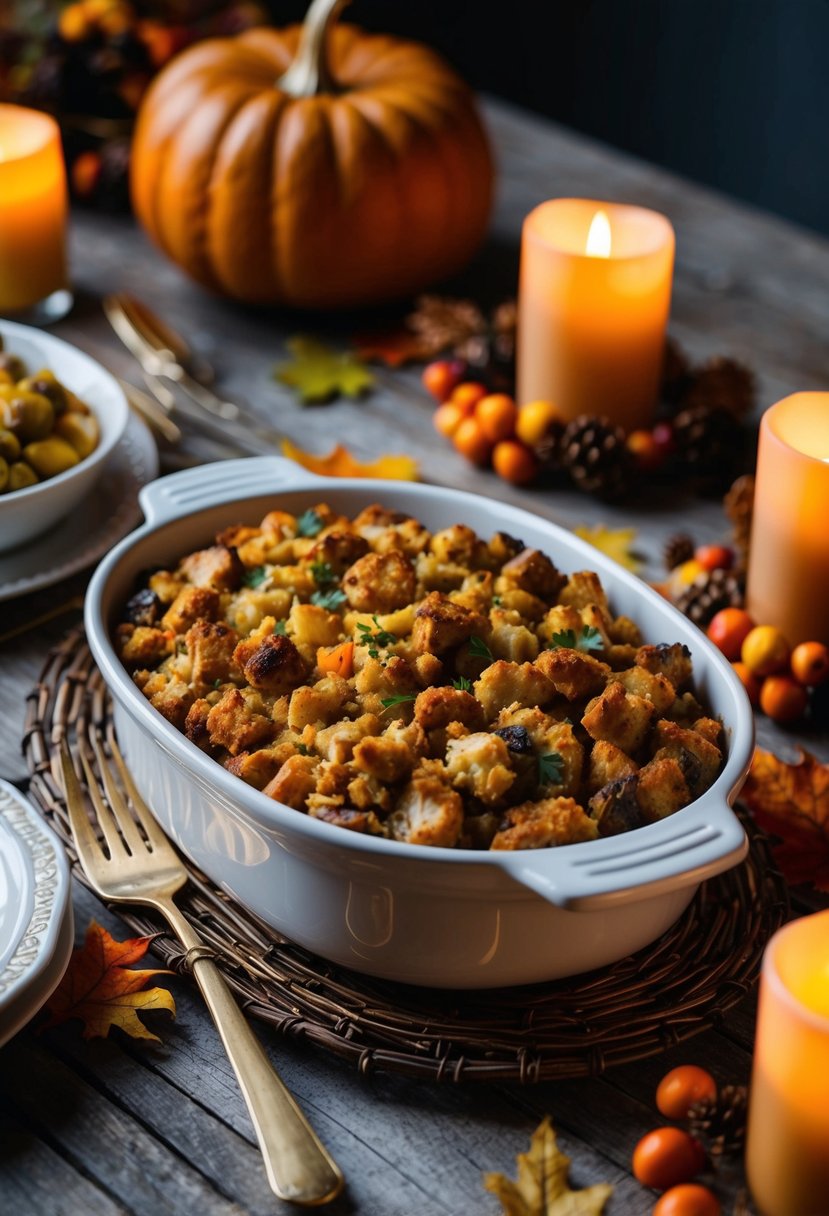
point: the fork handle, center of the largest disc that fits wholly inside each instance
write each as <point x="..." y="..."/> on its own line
<point x="299" y="1168"/>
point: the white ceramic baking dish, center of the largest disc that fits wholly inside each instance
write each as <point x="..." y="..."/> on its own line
<point x="442" y="917"/>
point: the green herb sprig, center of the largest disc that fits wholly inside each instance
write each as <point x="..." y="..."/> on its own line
<point x="550" y="769"/>
<point x="328" y="599"/>
<point x="589" y="639"/>
<point x="400" y="699"/>
<point x="374" y="638"/>
<point x="255" y="577"/>
<point x="479" y="649"/>
<point x="462" y="684"/>
<point x="309" y="523"/>
<point x="323" y="574"/>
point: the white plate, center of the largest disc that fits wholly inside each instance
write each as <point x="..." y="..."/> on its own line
<point x="102" y="518"/>
<point x="36" y="924"/>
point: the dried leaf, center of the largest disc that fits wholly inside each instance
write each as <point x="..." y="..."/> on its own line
<point x="318" y="373"/>
<point x="792" y="801"/>
<point x="340" y="463"/>
<point x="615" y="542"/>
<point x="542" y="1188"/>
<point x="101" y="989"/>
<point x="394" y="347"/>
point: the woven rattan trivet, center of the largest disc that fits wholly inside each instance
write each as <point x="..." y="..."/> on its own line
<point x="681" y="985"/>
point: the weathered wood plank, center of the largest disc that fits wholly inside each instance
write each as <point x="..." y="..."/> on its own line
<point x="36" y="1181"/>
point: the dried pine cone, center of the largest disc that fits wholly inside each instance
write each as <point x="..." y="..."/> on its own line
<point x="676" y="372"/>
<point x="723" y="384"/>
<point x="491" y="352"/>
<point x="709" y="444"/>
<point x="594" y="453"/>
<point x="720" y="1123"/>
<point x="739" y="507"/>
<point x="678" y="548"/>
<point x="442" y="323"/>
<point x="708" y="593"/>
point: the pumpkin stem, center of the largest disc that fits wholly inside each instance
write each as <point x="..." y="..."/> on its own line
<point x="309" y="72"/>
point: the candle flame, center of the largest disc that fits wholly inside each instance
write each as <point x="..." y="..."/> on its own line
<point x="598" y="238"/>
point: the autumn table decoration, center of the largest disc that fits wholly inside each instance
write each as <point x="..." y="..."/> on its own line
<point x="315" y="166"/>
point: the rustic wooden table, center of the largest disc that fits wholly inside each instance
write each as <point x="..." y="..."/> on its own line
<point x="112" y="1126"/>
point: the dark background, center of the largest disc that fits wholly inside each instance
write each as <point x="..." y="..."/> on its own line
<point x="733" y="93"/>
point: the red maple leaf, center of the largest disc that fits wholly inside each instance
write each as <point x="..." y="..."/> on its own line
<point x="791" y="801"/>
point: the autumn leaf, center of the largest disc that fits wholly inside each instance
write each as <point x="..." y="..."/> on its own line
<point x="101" y="988"/>
<point x="615" y="542"/>
<point x="318" y="373"/>
<point x="542" y="1188"/>
<point x="394" y="347"/>
<point x="340" y="463"/>
<point x="792" y="801"/>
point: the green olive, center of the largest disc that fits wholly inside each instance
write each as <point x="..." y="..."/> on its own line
<point x="45" y="383"/>
<point x="29" y="415"/>
<point x="79" y="430"/>
<point x="48" y="457"/>
<point x="21" y="475"/>
<point x="4" y="474"/>
<point x="9" y="444"/>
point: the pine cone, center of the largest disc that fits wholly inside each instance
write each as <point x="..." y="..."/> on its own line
<point x="739" y="507"/>
<point x="723" y="384"/>
<point x="594" y="453"/>
<point x="442" y="323"/>
<point x="548" y="449"/>
<point x="708" y="593"/>
<point x="491" y="353"/>
<point x="678" y="548"/>
<point x="710" y="445"/>
<point x="676" y="372"/>
<point x="720" y="1123"/>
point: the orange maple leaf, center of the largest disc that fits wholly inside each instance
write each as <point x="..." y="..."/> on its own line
<point x="340" y="463"/>
<point x="791" y="801"/>
<point x="101" y="990"/>
<point x="393" y="347"/>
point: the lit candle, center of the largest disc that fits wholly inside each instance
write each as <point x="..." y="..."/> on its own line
<point x="788" y="576"/>
<point x="32" y="209"/>
<point x="787" y="1155"/>
<point x="593" y="305"/>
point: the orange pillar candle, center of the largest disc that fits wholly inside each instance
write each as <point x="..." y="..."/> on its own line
<point x="32" y="209"/>
<point x="788" y="575"/>
<point x="787" y="1154"/>
<point x="593" y="303"/>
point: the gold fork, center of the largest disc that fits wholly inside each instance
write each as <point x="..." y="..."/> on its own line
<point x="142" y="868"/>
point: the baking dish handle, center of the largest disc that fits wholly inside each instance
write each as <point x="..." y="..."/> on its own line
<point x="682" y="853"/>
<point x="208" y="485"/>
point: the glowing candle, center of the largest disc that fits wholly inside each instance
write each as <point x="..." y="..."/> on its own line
<point x="787" y="1155"/>
<point x="788" y="576"/>
<point x="593" y="305"/>
<point x="32" y="209"/>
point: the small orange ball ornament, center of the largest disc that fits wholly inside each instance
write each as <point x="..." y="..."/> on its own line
<point x="765" y="651"/>
<point x="680" y="1088"/>
<point x="514" y="462"/>
<point x="497" y="413"/>
<point x="442" y="377"/>
<point x="447" y="418"/>
<point x="810" y="663"/>
<point x="665" y="1157"/>
<point x="783" y="699"/>
<point x="728" y="629"/>
<point x="644" y="449"/>
<point x="534" y="419"/>
<point x="750" y="682"/>
<point x="689" y="1199"/>
<point x="715" y="557"/>
<point x="467" y="395"/>
<point x="471" y="442"/>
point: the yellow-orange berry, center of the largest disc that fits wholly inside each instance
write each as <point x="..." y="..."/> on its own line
<point x="471" y="442"/>
<point x="810" y="663"/>
<point x="765" y="651"/>
<point x="783" y="699"/>
<point x="442" y="377"/>
<point x="750" y="682"/>
<point x="447" y="418"/>
<point x="644" y="449"/>
<point x="514" y="462"/>
<point x="683" y="575"/>
<point x="688" y="1199"/>
<point x="73" y="23"/>
<point x="534" y="419"/>
<point x="680" y="1088"/>
<point x="497" y="414"/>
<point x="728" y="629"/>
<point x="467" y="395"/>
<point x="715" y="557"/>
<point x="85" y="174"/>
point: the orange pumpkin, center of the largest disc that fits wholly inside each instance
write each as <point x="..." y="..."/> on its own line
<point x="316" y="166"/>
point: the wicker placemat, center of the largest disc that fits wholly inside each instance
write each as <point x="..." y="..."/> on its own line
<point x="682" y="984"/>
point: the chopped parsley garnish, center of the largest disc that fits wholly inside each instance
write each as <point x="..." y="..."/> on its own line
<point x="381" y="637"/>
<point x="309" y="523"/>
<point x="588" y="639"/>
<point x="388" y="702"/>
<point x="253" y="578"/>
<point x="280" y="628"/>
<point x="462" y="684"/>
<point x="550" y="769"/>
<point x="328" y="599"/>
<point x="302" y="749"/>
<point x="497" y="601"/>
<point x="479" y="648"/>
<point x="217" y="683"/>
<point x="323" y="574"/>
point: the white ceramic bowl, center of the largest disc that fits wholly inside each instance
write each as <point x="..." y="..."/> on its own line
<point x="444" y="917"/>
<point x="27" y="513"/>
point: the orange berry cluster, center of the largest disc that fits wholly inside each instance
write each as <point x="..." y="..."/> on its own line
<point x="488" y="428"/>
<point x="668" y="1158"/>
<point x="776" y="677"/>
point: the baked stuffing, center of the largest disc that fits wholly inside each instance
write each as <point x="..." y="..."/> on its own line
<point x="434" y="688"/>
